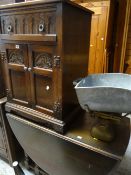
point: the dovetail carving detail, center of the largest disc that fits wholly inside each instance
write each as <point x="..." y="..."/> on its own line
<point x="43" y="60"/>
<point x="16" y="57"/>
<point x="6" y="22"/>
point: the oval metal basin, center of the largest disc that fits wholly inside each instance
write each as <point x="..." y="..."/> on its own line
<point x="110" y="92"/>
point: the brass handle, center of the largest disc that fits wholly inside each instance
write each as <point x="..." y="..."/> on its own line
<point x="41" y="27"/>
<point x="9" y="28"/>
<point x="29" y="69"/>
<point x="25" y="68"/>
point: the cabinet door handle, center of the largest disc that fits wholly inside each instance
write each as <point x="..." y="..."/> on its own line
<point x="9" y="28"/>
<point x="29" y="69"/>
<point x="41" y="27"/>
<point x="25" y="68"/>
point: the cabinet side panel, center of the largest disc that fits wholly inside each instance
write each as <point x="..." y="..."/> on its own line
<point x="76" y="39"/>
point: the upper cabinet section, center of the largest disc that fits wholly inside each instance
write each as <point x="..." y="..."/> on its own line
<point x="27" y="22"/>
<point x="40" y="17"/>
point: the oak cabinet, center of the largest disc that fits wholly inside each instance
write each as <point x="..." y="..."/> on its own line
<point x="45" y="49"/>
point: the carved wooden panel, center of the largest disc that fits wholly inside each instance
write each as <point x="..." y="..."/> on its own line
<point x="43" y="60"/>
<point x="15" y="56"/>
<point x="7" y="21"/>
<point x="29" y="23"/>
<point x="57" y="109"/>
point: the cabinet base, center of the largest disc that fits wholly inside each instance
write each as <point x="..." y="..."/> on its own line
<point x="41" y="118"/>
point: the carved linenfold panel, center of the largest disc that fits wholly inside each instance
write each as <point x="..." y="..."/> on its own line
<point x="16" y="22"/>
<point x="43" y="60"/>
<point x="48" y="20"/>
<point x="57" y="109"/>
<point x="16" y="56"/>
<point x="6" y="22"/>
<point x="29" y="23"/>
<point x="44" y="21"/>
<point x="51" y="24"/>
<point x="3" y="26"/>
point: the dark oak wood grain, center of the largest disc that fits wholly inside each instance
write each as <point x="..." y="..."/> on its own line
<point x="31" y="37"/>
<point x="47" y="49"/>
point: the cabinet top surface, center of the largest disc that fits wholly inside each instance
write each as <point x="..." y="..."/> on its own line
<point x="41" y="2"/>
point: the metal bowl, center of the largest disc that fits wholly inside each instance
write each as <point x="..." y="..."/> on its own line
<point x="110" y="92"/>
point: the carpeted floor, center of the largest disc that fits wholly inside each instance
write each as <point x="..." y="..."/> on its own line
<point x="5" y="169"/>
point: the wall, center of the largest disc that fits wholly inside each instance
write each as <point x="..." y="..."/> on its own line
<point x="127" y="67"/>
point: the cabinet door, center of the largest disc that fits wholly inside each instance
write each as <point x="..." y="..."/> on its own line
<point x="43" y="78"/>
<point x="18" y="86"/>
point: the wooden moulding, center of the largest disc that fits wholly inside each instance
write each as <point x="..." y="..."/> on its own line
<point x="41" y="118"/>
<point x="29" y="37"/>
<point x="34" y="3"/>
<point x="36" y="116"/>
